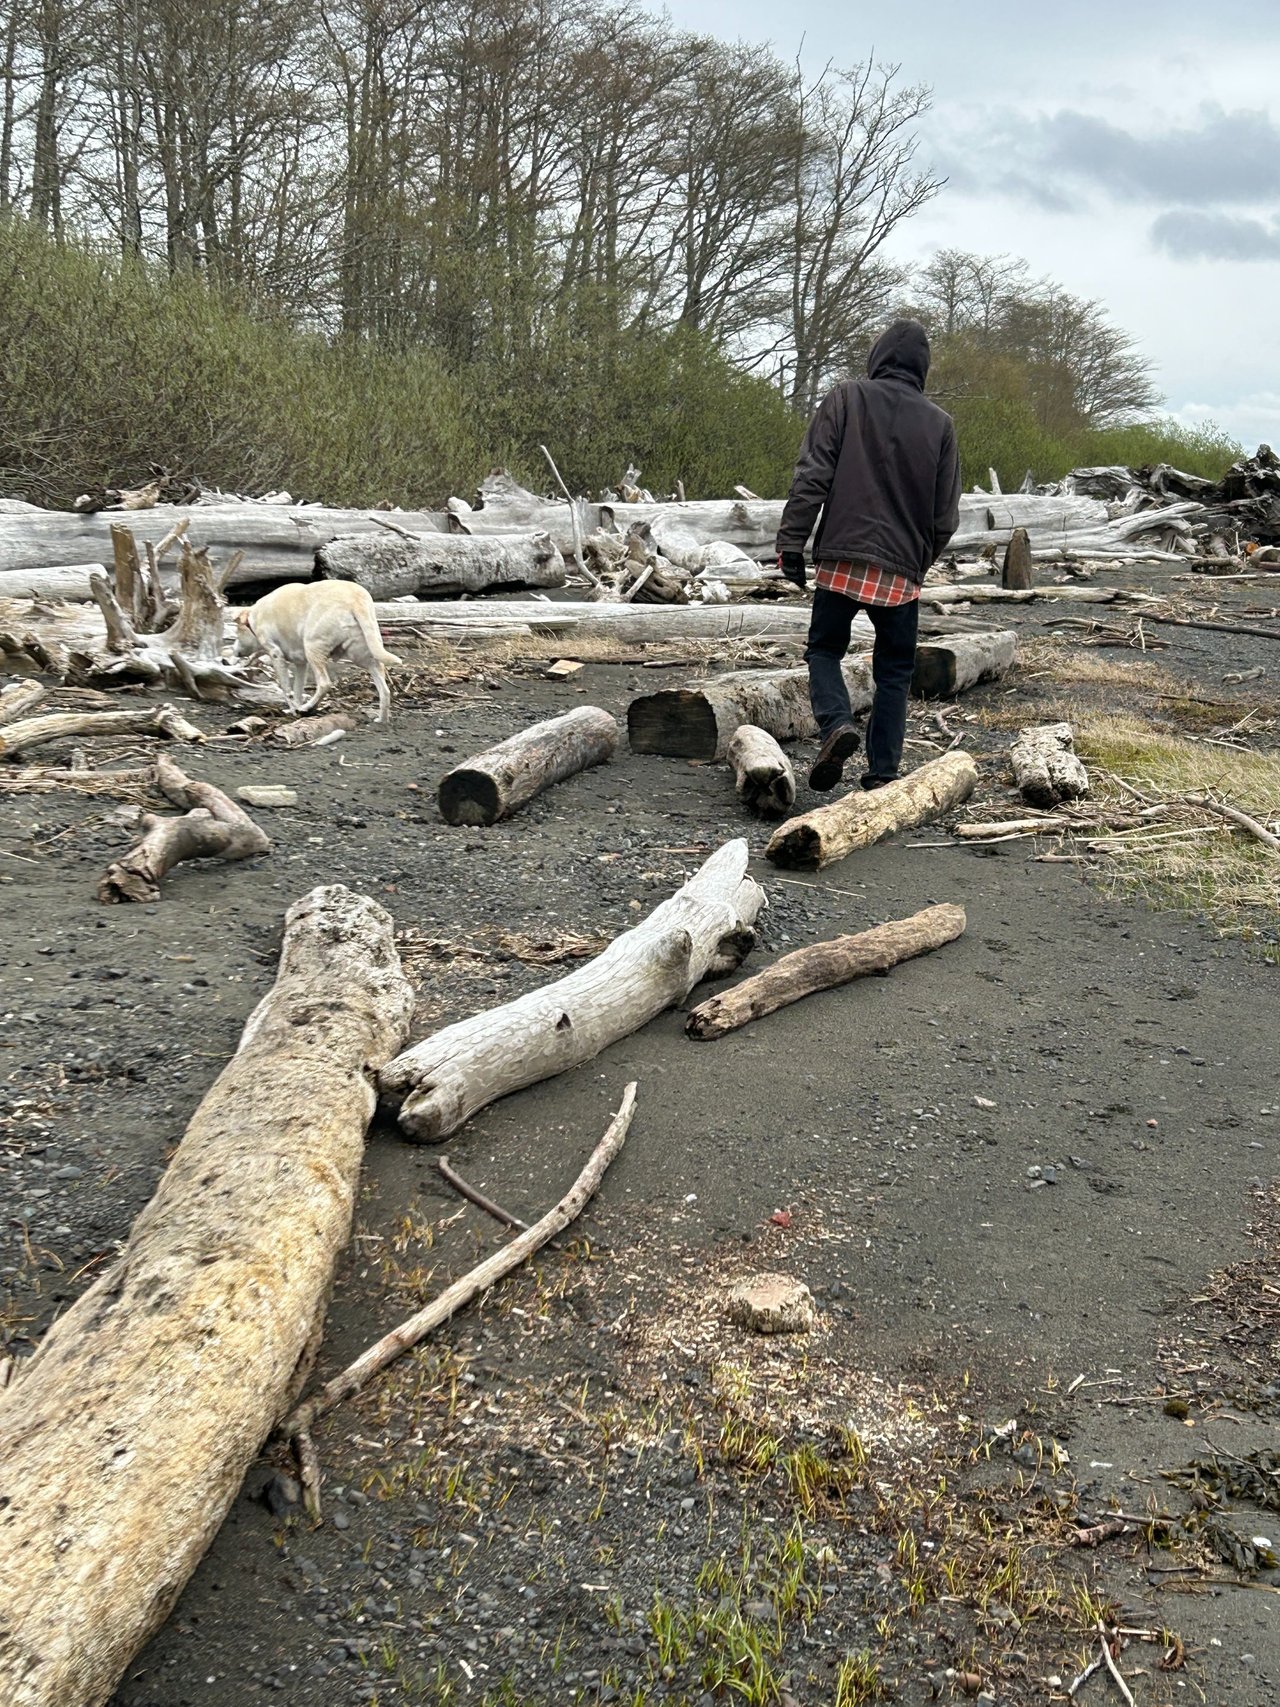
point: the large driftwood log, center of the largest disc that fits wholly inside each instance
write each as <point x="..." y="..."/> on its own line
<point x="1045" y="766"/>
<point x="706" y="926"/>
<point x="699" y="722"/>
<point x="945" y="668"/>
<point x="68" y="581"/>
<point x="822" y="966"/>
<point x="762" y="772"/>
<point x="858" y="819"/>
<point x="19" y="698"/>
<point x="441" y="565"/>
<point x="124" y="1440"/>
<point x="493" y="784"/>
<point x="65" y="725"/>
<point x="212" y="827"/>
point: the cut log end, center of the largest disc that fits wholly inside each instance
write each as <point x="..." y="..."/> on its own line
<point x="469" y="797"/>
<point x="679" y="724"/>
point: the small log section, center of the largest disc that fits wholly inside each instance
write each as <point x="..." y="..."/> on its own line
<point x="706" y="926"/>
<point x="494" y="784"/>
<point x="212" y="827"/>
<point x="1045" y="766"/>
<point x="762" y="772"/>
<point x="945" y="668"/>
<point x="859" y="819"/>
<point x="824" y="965"/>
<point x="125" y="1438"/>
<point x="1017" y="574"/>
<point x="699" y="722"/>
<point x="66" y="725"/>
<point x="392" y="564"/>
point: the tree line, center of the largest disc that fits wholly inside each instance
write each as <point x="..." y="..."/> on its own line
<point x="535" y="194"/>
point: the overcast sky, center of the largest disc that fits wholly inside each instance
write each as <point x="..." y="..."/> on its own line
<point x="1130" y="151"/>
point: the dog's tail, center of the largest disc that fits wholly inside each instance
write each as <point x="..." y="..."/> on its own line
<point x="373" y="638"/>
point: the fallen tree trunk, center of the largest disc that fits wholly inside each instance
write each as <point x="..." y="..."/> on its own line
<point x="213" y="827"/>
<point x="857" y="820"/>
<point x="945" y="668"/>
<point x="706" y="926"/>
<point x="473" y="1285"/>
<point x="19" y="698"/>
<point x="125" y="1438"/>
<point x="67" y="581"/>
<point x="822" y="966"/>
<point x="762" y="772"/>
<point x="699" y="722"/>
<point x="66" y="725"/>
<point x="492" y="785"/>
<point x="441" y="565"/>
<point x="1045" y="766"/>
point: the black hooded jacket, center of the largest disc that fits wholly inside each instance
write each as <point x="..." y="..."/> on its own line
<point x="880" y="462"/>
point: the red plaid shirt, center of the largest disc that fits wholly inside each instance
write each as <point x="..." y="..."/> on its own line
<point x="865" y="584"/>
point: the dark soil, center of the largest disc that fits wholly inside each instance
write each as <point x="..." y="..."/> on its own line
<point x="1026" y="1159"/>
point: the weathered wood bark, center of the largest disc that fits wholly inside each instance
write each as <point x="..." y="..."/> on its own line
<point x="762" y="772"/>
<point x="822" y="966"/>
<point x="441" y="565"/>
<point x="63" y="725"/>
<point x="68" y="581"/>
<point x="124" y="1440"/>
<point x="966" y="592"/>
<point x="947" y="667"/>
<point x="212" y="827"/>
<point x="706" y="926"/>
<point x="308" y="731"/>
<point x="20" y="698"/>
<point x="494" y="784"/>
<point x="1045" y="766"/>
<point x="474" y="1284"/>
<point x="698" y="722"/>
<point x="857" y="820"/>
<point x="1017" y="561"/>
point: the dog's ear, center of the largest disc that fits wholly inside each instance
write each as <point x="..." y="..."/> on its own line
<point x="244" y="622"/>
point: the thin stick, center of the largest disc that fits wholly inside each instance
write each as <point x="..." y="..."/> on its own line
<point x="1079" y="1682"/>
<point x="454" y="1298"/>
<point x="578" y="558"/>
<point x="478" y="1197"/>
<point x="1112" y="1667"/>
<point x="1218" y="627"/>
<point x="1236" y="816"/>
<point x="394" y="527"/>
<point x="308" y="1474"/>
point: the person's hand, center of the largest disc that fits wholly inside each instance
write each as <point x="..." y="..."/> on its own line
<point x="791" y="563"/>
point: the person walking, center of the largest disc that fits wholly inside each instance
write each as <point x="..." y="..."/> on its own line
<point x="880" y="462"/>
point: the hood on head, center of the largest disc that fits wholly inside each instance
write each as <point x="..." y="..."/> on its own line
<point x="900" y="352"/>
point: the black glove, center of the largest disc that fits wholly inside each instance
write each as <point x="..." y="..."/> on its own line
<point x="791" y="564"/>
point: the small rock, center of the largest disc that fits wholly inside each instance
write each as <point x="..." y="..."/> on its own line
<point x="267" y="794"/>
<point x="341" y="1520"/>
<point x="281" y="1494"/>
<point x="772" y="1304"/>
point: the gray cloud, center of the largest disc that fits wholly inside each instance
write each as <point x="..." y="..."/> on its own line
<point x="1191" y="234"/>
<point x="1228" y="157"/>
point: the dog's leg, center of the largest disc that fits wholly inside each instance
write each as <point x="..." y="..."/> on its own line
<point x="319" y="664"/>
<point x="384" y="693"/>
<point x="283" y="675"/>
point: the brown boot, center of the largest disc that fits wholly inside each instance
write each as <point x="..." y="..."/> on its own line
<point x="828" y="767"/>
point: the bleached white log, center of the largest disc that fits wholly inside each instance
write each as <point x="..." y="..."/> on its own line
<point x="762" y="772"/>
<point x="496" y="783"/>
<point x="441" y="565"/>
<point x="1045" y="766"/>
<point x="68" y="581"/>
<point x="705" y="926"/>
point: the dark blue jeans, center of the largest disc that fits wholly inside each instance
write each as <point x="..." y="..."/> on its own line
<point x="892" y="665"/>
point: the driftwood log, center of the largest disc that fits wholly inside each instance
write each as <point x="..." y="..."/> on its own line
<point x="212" y="827"/>
<point x="762" y="772"/>
<point x="699" y="722"/>
<point x="494" y="784"/>
<point x="391" y="565"/>
<point x="945" y="668"/>
<point x="822" y="966"/>
<point x="70" y="725"/>
<point x="705" y="927"/>
<point x="1017" y="571"/>
<point x="1045" y="766"/>
<point x="125" y="1438"/>
<point x="19" y="698"/>
<point x="858" y="819"/>
<point x="311" y="731"/>
<point x="68" y="581"/>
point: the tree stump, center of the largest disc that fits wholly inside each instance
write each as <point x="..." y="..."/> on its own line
<point x="1017" y="574"/>
<point x="493" y="784"/>
<point x="125" y="1438"/>
<point x="945" y="668"/>
<point x="762" y="772"/>
<point x="1045" y="766"/>
<point x="857" y="820"/>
